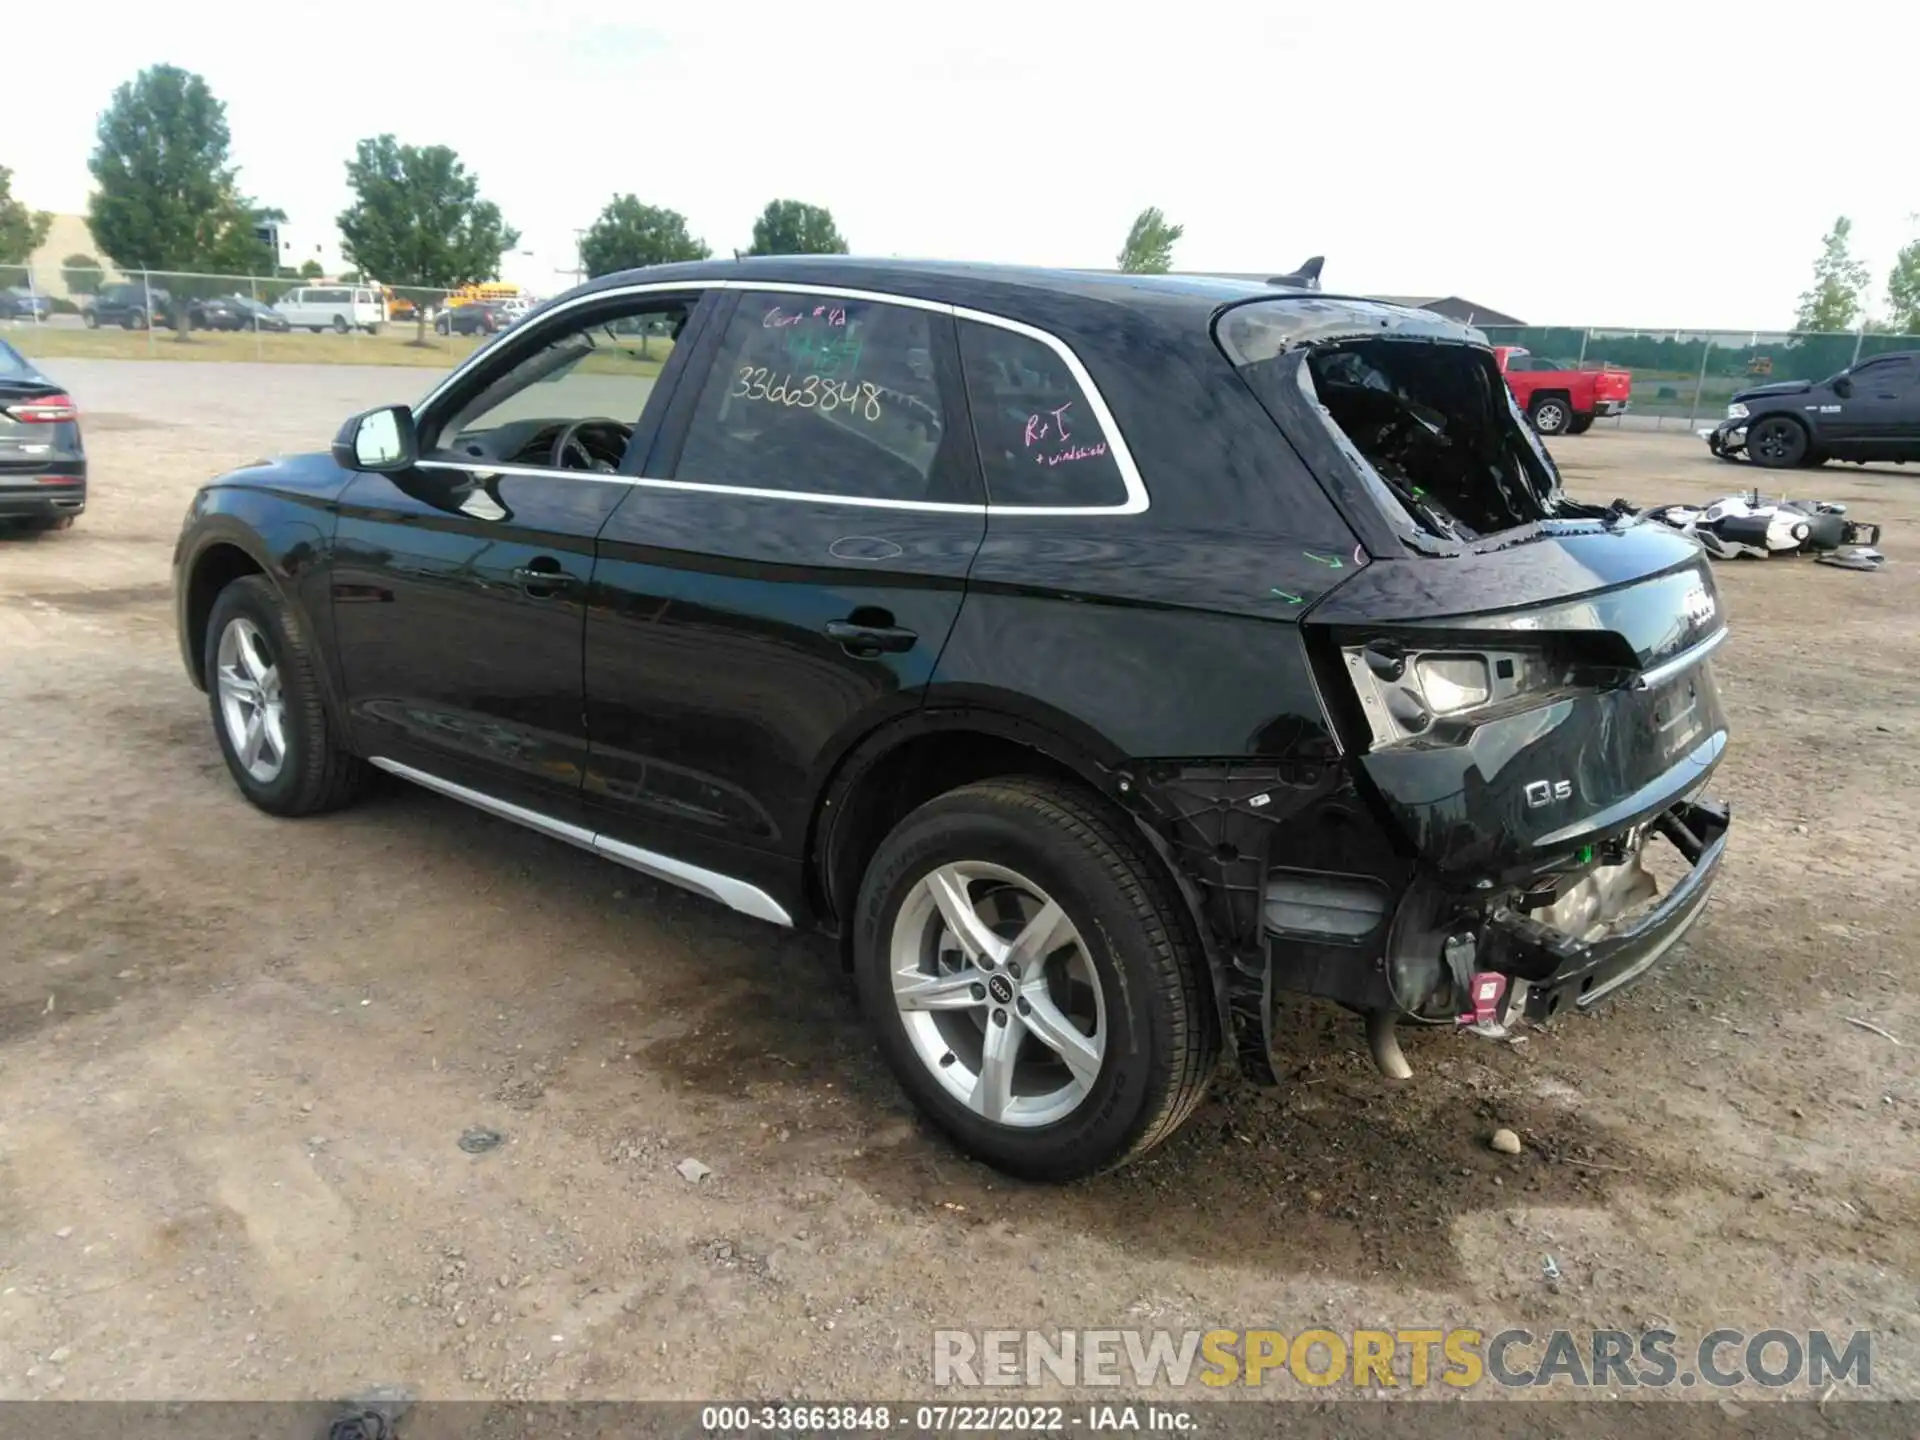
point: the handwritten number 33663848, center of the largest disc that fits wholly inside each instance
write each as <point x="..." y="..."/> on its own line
<point x="808" y="392"/>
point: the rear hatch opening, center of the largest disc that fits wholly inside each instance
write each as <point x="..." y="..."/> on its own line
<point x="1405" y="416"/>
<point x="1434" y="427"/>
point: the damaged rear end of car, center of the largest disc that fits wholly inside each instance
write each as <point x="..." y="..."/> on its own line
<point x="1521" y="686"/>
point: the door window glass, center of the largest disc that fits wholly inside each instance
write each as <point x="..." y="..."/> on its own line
<point x="1040" y="443"/>
<point x="593" y="378"/>
<point x="823" y="395"/>
<point x="1885" y="377"/>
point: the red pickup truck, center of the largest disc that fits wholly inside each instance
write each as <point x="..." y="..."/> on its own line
<point x="1560" y="401"/>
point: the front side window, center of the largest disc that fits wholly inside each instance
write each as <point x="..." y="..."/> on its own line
<point x="824" y="395"/>
<point x="1039" y="439"/>
<point x="571" y="402"/>
<point x="1885" y="377"/>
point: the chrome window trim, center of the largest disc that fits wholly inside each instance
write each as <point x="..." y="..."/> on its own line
<point x="1136" y="503"/>
<point x="735" y="894"/>
<point x="1648" y="679"/>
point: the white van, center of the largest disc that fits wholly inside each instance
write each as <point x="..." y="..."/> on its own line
<point x="333" y="307"/>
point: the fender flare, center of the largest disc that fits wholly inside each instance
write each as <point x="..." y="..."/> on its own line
<point x="220" y="528"/>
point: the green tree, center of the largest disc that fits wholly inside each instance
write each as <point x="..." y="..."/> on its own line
<point x="310" y="269"/>
<point x="1903" y="289"/>
<point x="166" y="197"/>
<point x="418" y="219"/>
<point x="21" y="229"/>
<point x="81" y="271"/>
<point x="628" y="235"/>
<point x="1150" y="241"/>
<point x="793" y="227"/>
<point x="1839" y="285"/>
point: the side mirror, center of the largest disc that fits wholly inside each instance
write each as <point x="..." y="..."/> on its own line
<point x="1842" y="386"/>
<point x="381" y="441"/>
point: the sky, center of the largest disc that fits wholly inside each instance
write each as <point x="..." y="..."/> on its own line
<point x="1611" y="163"/>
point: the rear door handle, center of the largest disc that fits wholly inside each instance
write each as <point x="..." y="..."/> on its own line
<point x="540" y="581"/>
<point x="866" y="641"/>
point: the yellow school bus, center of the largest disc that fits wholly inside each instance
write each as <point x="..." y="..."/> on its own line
<point x="476" y="294"/>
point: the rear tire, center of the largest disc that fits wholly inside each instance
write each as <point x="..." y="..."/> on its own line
<point x="373" y="329"/>
<point x="340" y="326"/>
<point x="1778" y="442"/>
<point x="1551" y="415"/>
<point x="1118" y="966"/>
<point x="255" y="645"/>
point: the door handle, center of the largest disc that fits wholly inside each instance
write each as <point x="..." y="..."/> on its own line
<point x="866" y="641"/>
<point x="539" y="582"/>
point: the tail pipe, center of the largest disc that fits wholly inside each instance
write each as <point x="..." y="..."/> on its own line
<point x="1384" y="1044"/>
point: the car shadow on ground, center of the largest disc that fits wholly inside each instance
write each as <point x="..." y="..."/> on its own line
<point x="758" y="1037"/>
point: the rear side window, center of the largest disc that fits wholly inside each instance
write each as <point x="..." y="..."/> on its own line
<point x="1040" y="441"/>
<point x="826" y="396"/>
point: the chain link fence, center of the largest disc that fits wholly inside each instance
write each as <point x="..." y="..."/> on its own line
<point x="49" y="312"/>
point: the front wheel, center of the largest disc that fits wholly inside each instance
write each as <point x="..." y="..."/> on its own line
<point x="1551" y="415"/>
<point x="90" y="320"/>
<point x="1032" y="981"/>
<point x="1580" y="424"/>
<point x="263" y="686"/>
<point x="1777" y="443"/>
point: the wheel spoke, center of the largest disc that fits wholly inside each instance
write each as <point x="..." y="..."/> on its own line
<point x="993" y="1090"/>
<point x="1042" y="935"/>
<point x="250" y="743"/>
<point x="275" y="735"/>
<point x="233" y="683"/>
<point x="948" y="885"/>
<point x="252" y="660"/>
<point x="1060" y="1035"/>
<point x="916" y="990"/>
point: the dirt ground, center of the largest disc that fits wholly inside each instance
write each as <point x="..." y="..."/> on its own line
<point x="236" y="1054"/>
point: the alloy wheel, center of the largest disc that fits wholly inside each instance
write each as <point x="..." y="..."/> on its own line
<point x="998" y="994"/>
<point x="251" y="704"/>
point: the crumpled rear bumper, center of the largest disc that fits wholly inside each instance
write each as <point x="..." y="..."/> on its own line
<point x="1563" y="973"/>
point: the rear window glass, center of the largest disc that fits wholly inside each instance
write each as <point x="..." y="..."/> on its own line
<point x="1040" y="442"/>
<point x="12" y="366"/>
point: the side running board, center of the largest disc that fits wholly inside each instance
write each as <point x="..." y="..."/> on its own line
<point x="733" y="893"/>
